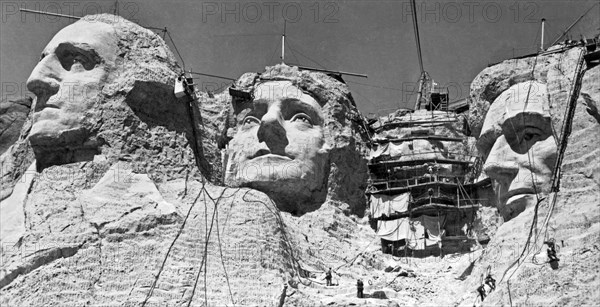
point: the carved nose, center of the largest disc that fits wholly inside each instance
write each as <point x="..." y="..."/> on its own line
<point x="272" y="132"/>
<point x="45" y="77"/>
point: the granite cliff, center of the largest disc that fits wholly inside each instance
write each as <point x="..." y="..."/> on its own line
<point x="145" y="220"/>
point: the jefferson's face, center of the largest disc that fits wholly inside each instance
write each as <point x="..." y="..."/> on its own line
<point x="68" y="79"/>
<point x="521" y="150"/>
<point x="280" y="141"/>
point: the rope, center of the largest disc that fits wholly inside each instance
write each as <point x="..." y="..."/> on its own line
<point x="556" y="173"/>
<point x="176" y="50"/>
<point x="307" y="57"/>
<point x="292" y="50"/>
<point x="535" y="217"/>
<point x="171" y="247"/>
<point x="287" y="245"/>
<point x="563" y="143"/>
<point x="207" y="237"/>
<point x="223" y="261"/>
<point x="380" y="87"/>
<point x="573" y="24"/>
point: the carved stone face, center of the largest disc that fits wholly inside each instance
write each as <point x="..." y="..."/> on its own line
<point x="278" y="146"/>
<point x="67" y="81"/>
<point x="520" y="147"/>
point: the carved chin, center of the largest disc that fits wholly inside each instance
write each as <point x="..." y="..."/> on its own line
<point x="517" y="204"/>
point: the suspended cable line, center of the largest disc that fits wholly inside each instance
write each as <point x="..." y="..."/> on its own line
<point x="210" y="75"/>
<point x="380" y="87"/>
<point x="573" y="24"/>
<point x="48" y="13"/>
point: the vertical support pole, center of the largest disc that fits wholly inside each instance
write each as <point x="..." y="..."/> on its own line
<point x="542" y="35"/>
<point x="283" y="43"/>
<point x="457" y="193"/>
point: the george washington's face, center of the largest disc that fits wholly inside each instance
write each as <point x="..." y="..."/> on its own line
<point x="279" y="144"/>
<point x="519" y="145"/>
<point x="67" y="81"/>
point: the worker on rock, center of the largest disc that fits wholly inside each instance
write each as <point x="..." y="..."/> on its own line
<point x="551" y="251"/>
<point x="481" y="291"/>
<point x="328" y="277"/>
<point x="491" y="282"/>
<point x="359" y="289"/>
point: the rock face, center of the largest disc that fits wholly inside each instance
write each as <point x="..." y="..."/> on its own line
<point x="113" y="236"/>
<point x="136" y="221"/>
<point x="570" y="217"/>
<point x="13" y="115"/>
<point x="297" y="136"/>
<point x="17" y="155"/>
<point x="126" y="215"/>
<point x="129" y="111"/>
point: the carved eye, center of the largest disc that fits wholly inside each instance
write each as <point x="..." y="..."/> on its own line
<point x="302" y="117"/>
<point x="530" y="134"/>
<point x="250" y="120"/>
<point x="78" y="58"/>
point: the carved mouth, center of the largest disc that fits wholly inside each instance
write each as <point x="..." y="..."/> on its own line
<point x="42" y="103"/>
<point x="49" y="106"/>
<point x="265" y="153"/>
<point x="516" y="193"/>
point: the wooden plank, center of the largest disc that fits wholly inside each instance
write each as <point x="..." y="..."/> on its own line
<point x="416" y="137"/>
<point x="416" y="161"/>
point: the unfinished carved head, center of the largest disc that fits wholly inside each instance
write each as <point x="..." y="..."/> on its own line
<point x="81" y="67"/>
<point x="519" y="146"/>
<point x="287" y="125"/>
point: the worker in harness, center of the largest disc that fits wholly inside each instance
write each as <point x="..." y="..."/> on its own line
<point x="491" y="282"/>
<point x="592" y="109"/>
<point x="481" y="291"/>
<point x="184" y="86"/>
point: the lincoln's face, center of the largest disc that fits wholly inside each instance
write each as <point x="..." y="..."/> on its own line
<point x="520" y="148"/>
<point x="67" y="81"/>
<point x="279" y="143"/>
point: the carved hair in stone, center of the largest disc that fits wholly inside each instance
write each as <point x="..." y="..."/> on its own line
<point x="296" y="137"/>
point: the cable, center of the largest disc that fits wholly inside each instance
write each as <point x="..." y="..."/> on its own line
<point x="292" y="50"/>
<point x="556" y="172"/>
<point x="223" y="261"/>
<point x="307" y="57"/>
<point x="573" y="24"/>
<point x="208" y="231"/>
<point x="150" y="292"/>
<point x="380" y="87"/>
<point x="176" y="50"/>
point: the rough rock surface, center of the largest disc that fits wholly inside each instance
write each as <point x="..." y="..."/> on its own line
<point x="137" y="224"/>
<point x="105" y="234"/>
<point x="15" y="160"/>
<point x="574" y="222"/>
<point x="112" y="236"/>
<point x="13" y="115"/>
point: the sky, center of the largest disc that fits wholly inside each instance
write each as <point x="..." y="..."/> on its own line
<point x="228" y="38"/>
